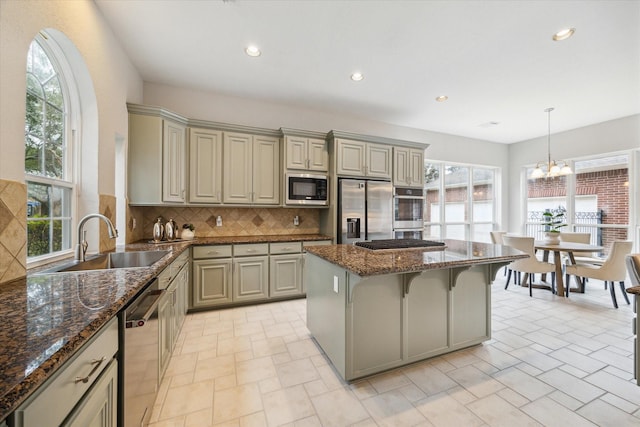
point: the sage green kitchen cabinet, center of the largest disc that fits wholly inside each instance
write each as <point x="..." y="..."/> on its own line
<point x="306" y="154"/>
<point x="363" y="159"/>
<point x="408" y="170"/>
<point x="212" y="271"/>
<point x="171" y="308"/>
<point x="250" y="272"/>
<point x="285" y="269"/>
<point x="205" y="166"/>
<point x="156" y="159"/>
<point x="99" y="407"/>
<point x="252" y="169"/>
<point x="80" y="393"/>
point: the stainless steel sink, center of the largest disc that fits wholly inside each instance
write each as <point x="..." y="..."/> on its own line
<point x="113" y="260"/>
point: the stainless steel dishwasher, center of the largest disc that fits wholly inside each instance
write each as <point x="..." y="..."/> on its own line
<point x="139" y="350"/>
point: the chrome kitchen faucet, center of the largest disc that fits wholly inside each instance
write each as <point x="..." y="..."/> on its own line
<point x="82" y="245"/>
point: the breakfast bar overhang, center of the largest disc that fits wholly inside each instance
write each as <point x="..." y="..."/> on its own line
<point x="371" y="311"/>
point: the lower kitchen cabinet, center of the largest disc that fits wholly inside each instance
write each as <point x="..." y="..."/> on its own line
<point x="211" y="282"/>
<point x="251" y="278"/>
<point x="285" y="278"/>
<point x="227" y="274"/>
<point x="172" y="310"/>
<point x="99" y="407"/>
<point x="83" y="392"/>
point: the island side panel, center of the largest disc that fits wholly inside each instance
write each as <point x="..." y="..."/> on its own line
<point x="427" y="315"/>
<point x="374" y="324"/>
<point x="326" y="308"/>
<point x="470" y="307"/>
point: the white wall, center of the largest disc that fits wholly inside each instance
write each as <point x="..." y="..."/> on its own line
<point x="607" y="137"/>
<point x="114" y="78"/>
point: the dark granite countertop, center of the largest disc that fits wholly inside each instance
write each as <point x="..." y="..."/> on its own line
<point x="46" y="318"/>
<point x="457" y="253"/>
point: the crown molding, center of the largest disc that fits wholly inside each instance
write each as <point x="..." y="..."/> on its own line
<point x="376" y="139"/>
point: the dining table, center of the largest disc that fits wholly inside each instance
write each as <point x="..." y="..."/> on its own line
<point x="557" y="248"/>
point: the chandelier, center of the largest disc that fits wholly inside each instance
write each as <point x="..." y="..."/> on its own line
<point x="550" y="168"/>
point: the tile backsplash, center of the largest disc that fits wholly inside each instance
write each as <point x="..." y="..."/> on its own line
<point x="235" y="221"/>
<point x="13" y="230"/>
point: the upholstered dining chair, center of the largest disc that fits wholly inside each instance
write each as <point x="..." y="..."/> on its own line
<point x="531" y="265"/>
<point x="613" y="269"/>
<point x="496" y="237"/>
<point x="580" y="238"/>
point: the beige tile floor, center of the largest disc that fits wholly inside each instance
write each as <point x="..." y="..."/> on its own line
<point x="551" y="361"/>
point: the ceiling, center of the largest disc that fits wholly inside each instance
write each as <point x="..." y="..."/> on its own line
<point x="495" y="60"/>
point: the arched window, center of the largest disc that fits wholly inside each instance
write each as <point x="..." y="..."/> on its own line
<point x="48" y="152"/>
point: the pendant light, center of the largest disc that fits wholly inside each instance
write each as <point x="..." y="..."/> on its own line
<point x="550" y="168"/>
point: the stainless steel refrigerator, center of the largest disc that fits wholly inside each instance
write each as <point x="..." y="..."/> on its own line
<point x="365" y="210"/>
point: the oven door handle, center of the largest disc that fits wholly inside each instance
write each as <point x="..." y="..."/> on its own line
<point x="139" y="321"/>
<point x="410" y="197"/>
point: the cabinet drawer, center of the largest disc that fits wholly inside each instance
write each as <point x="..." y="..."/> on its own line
<point x="212" y="251"/>
<point x="59" y="395"/>
<point x="251" y="249"/>
<point x="285" y="248"/>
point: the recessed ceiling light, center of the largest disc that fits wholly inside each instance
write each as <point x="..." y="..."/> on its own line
<point x="252" y="51"/>
<point x="442" y="98"/>
<point x="356" y="77"/>
<point x="564" y="34"/>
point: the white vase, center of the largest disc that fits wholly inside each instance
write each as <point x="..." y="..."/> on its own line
<point x="551" y="238"/>
<point x="187" y="234"/>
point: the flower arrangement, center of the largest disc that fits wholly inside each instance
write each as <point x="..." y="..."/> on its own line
<point x="188" y="227"/>
<point x="555" y="219"/>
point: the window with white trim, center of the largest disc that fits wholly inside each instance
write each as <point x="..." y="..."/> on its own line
<point x="48" y="153"/>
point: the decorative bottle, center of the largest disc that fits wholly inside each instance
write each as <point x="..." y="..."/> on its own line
<point x="158" y="231"/>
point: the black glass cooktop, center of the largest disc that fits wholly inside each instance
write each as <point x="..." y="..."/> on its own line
<point x="398" y="244"/>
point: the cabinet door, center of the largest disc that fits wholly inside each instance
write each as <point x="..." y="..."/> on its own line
<point x="211" y="282"/>
<point x="318" y="155"/>
<point x="99" y="406"/>
<point x="350" y="157"/>
<point x="378" y="163"/>
<point x="285" y="275"/>
<point x="296" y="152"/>
<point x="165" y="331"/>
<point x="238" y="175"/>
<point x="416" y="168"/>
<point x="266" y="170"/>
<point x="173" y="163"/>
<point x="401" y="166"/>
<point x="145" y="159"/>
<point x="251" y="278"/>
<point x="205" y="171"/>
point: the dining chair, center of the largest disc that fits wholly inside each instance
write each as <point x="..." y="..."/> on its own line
<point x="613" y="269"/>
<point x="531" y="265"/>
<point x="580" y="238"/>
<point x="496" y="237"/>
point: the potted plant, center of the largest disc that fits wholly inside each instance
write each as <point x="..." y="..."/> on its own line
<point x="188" y="231"/>
<point x="554" y="220"/>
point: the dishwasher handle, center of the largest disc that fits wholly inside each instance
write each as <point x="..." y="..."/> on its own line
<point x="150" y="301"/>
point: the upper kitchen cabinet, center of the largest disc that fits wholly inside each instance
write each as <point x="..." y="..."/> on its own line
<point x="305" y="151"/>
<point x="252" y="169"/>
<point x="205" y="166"/>
<point x="157" y="164"/>
<point x="363" y="159"/>
<point x="408" y="167"/>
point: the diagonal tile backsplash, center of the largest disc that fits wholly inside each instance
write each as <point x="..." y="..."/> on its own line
<point x="13" y="230"/>
<point x="235" y="221"/>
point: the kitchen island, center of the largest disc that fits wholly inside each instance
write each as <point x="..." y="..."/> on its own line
<point x="371" y="311"/>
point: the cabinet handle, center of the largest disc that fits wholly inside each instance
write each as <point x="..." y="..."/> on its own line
<point x="96" y="364"/>
<point x="213" y="252"/>
<point x="250" y="250"/>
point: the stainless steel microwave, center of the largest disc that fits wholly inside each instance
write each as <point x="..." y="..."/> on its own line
<point x="307" y="189"/>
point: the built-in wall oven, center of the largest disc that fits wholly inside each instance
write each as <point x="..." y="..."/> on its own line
<point x="139" y="374"/>
<point x="408" y="207"/>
